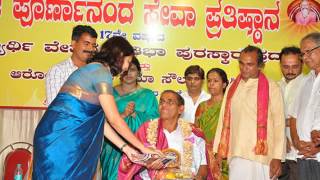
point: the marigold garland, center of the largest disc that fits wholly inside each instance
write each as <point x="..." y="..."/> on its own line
<point x="186" y="160"/>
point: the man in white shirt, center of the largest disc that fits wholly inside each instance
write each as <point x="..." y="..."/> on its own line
<point x="304" y="124"/>
<point x="194" y="76"/>
<point x="291" y="68"/>
<point x="169" y="132"/>
<point x="83" y="42"/>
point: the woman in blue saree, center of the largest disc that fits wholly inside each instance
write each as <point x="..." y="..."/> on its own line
<point x="136" y="105"/>
<point x="68" y="139"/>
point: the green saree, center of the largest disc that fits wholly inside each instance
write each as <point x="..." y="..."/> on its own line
<point x="207" y="117"/>
<point x="146" y="108"/>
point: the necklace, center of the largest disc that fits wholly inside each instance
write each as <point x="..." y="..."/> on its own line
<point x="127" y="91"/>
<point x="212" y="101"/>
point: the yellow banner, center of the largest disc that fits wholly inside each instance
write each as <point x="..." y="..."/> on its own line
<point x="168" y="36"/>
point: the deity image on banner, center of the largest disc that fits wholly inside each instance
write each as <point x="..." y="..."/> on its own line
<point x="304" y="12"/>
<point x="0" y="7"/>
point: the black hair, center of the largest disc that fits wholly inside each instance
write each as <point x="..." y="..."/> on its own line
<point x="290" y="50"/>
<point x="112" y="53"/>
<point x="136" y="62"/>
<point x="194" y="69"/>
<point x="256" y="49"/>
<point x="81" y="29"/>
<point x="222" y="74"/>
<point x="178" y="96"/>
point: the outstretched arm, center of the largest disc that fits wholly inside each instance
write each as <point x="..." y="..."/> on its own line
<point x="109" y="107"/>
<point x="116" y="140"/>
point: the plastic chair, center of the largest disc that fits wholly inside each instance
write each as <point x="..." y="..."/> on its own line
<point x="16" y="156"/>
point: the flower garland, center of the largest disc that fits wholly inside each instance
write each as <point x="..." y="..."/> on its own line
<point x="186" y="159"/>
<point x="152" y="133"/>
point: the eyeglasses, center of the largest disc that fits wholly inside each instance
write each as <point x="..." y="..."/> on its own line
<point x="168" y="102"/>
<point x="308" y="52"/>
<point x="189" y="78"/>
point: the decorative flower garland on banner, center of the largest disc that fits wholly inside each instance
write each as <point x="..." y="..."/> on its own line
<point x="186" y="159"/>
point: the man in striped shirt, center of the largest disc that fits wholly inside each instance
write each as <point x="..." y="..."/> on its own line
<point x="83" y="43"/>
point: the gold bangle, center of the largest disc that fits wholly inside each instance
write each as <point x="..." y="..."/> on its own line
<point x="124" y="145"/>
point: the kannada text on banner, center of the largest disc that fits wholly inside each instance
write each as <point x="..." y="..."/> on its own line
<point x="168" y="36"/>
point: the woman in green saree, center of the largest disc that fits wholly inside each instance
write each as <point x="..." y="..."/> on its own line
<point x="136" y="105"/>
<point x="207" y="113"/>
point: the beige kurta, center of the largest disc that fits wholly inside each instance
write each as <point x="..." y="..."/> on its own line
<point x="243" y="133"/>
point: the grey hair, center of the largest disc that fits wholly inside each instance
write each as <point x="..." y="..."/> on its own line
<point x="314" y="37"/>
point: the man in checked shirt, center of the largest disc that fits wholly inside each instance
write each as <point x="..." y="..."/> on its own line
<point x="83" y="42"/>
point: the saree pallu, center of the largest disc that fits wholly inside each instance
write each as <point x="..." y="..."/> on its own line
<point x="146" y="108"/>
<point x="68" y="139"/>
<point x="207" y="118"/>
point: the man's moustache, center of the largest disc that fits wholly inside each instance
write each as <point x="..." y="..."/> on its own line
<point x="291" y="74"/>
<point x="90" y="52"/>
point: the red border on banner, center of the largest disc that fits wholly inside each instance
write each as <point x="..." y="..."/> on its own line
<point x="23" y="107"/>
<point x="0" y="7"/>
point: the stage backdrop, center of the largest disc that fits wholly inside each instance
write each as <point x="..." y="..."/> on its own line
<point x="168" y="36"/>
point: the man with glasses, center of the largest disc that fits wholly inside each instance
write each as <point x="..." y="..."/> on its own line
<point x="291" y="68"/>
<point x="83" y="43"/>
<point x="169" y="132"/>
<point x="194" y="76"/>
<point x="250" y="131"/>
<point x="305" y="114"/>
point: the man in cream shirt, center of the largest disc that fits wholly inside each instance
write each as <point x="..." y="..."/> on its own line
<point x="251" y="127"/>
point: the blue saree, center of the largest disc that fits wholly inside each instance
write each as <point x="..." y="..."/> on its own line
<point x="146" y="108"/>
<point x="68" y="139"/>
